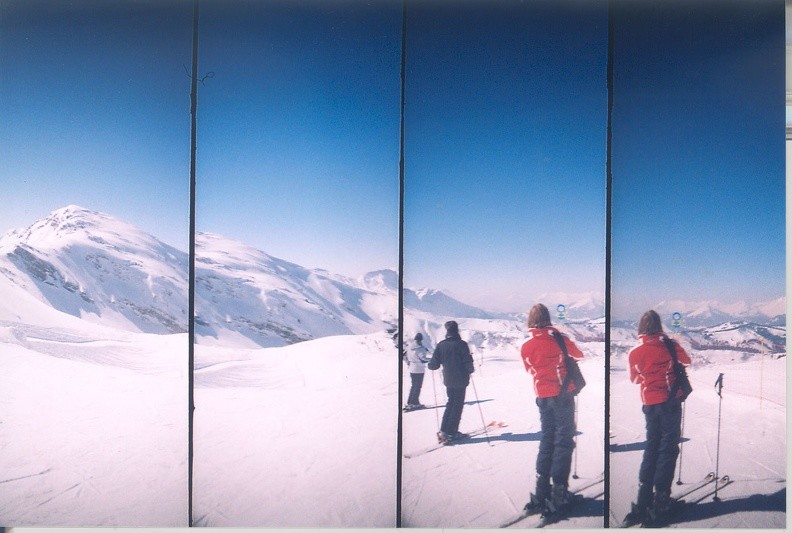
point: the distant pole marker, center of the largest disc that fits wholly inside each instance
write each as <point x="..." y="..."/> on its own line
<point x="676" y="321"/>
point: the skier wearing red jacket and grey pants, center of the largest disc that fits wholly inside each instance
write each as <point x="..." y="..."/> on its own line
<point x="651" y="366"/>
<point x="544" y="359"/>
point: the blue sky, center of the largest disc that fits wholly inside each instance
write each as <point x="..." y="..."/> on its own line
<point x="95" y="107"/>
<point x="506" y="118"/>
<point x="299" y="130"/>
<point x="505" y="141"/>
<point x="698" y="153"/>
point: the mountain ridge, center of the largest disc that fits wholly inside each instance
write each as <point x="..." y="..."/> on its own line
<point x="93" y="266"/>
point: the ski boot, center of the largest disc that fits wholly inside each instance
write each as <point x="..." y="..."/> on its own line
<point x="458" y="435"/>
<point x="639" y="510"/>
<point x="560" y="501"/>
<point x="537" y="502"/>
<point x="637" y="515"/>
<point x="443" y="438"/>
<point x="658" y="515"/>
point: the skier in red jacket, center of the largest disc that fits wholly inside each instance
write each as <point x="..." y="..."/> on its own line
<point x="544" y="359"/>
<point x="651" y="366"/>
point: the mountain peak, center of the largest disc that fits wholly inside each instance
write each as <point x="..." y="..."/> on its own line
<point x="75" y="225"/>
<point x="382" y="279"/>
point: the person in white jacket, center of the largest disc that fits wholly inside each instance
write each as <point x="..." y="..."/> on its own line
<point x="417" y="357"/>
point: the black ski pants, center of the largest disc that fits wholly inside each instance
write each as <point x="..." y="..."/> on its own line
<point x="453" y="410"/>
<point x="663" y="423"/>
<point x="416" y="382"/>
<point x="557" y="417"/>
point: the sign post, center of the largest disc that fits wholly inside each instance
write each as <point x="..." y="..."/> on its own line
<point x="561" y="312"/>
<point x="676" y="321"/>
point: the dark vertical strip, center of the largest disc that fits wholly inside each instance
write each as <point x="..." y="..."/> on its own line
<point x="400" y="331"/>
<point x="608" y="254"/>
<point x="191" y="267"/>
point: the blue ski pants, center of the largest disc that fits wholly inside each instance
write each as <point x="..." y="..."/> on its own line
<point x="453" y="410"/>
<point x="663" y="422"/>
<point x="557" y="417"/>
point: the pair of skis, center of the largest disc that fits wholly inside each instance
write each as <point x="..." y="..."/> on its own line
<point x="491" y="426"/>
<point x="710" y="483"/>
<point x="719" y="484"/>
<point x="542" y="521"/>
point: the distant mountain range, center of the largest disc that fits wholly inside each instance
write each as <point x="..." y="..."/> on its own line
<point x="92" y="266"/>
<point x="712" y="312"/>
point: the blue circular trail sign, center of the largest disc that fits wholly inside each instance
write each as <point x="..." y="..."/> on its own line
<point x="677" y="319"/>
<point x="561" y="311"/>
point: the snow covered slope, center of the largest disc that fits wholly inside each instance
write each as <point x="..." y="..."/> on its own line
<point x="246" y="297"/>
<point x="297" y="436"/>
<point x="95" y="267"/>
<point x="93" y="426"/>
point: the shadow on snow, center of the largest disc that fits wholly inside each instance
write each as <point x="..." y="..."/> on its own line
<point x="508" y="437"/>
<point x="754" y="502"/>
<point x="588" y="507"/>
<point x="635" y="446"/>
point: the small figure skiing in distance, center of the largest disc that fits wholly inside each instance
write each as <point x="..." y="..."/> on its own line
<point x="417" y="357"/>
<point x="544" y="358"/>
<point x="453" y="355"/>
<point x="652" y="367"/>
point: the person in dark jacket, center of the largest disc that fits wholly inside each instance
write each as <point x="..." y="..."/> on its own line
<point x="453" y="354"/>
<point x="544" y="359"/>
<point x="651" y="366"/>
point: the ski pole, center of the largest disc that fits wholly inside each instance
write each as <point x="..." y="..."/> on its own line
<point x="481" y="411"/>
<point x="574" y="474"/>
<point x="437" y="405"/>
<point x="761" y="374"/>
<point x="681" y="445"/>
<point x="719" y="385"/>
<point x="677" y="321"/>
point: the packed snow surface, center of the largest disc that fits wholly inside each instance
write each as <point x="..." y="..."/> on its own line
<point x="93" y="427"/>
<point x="300" y="436"/>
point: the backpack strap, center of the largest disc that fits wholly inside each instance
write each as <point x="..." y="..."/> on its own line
<point x="568" y="378"/>
<point x="675" y="387"/>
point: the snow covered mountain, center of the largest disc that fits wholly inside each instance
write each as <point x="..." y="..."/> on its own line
<point x="95" y="267"/>
<point x="246" y="296"/>
<point x="438" y="303"/>
<point x="582" y="306"/>
<point x="711" y="312"/>
<point x="729" y="341"/>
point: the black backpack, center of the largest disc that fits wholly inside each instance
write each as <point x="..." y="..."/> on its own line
<point x="682" y="381"/>
<point x="573" y="373"/>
